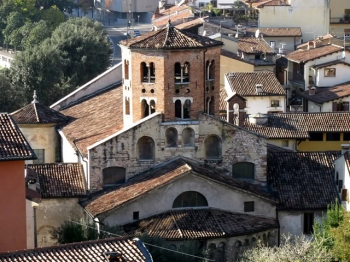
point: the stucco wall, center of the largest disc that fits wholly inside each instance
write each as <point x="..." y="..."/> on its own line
<point x="341" y="75"/>
<point x="325" y="107"/>
<point x="237" y="145"/>
<point x="161" y="200"/>
<point x="262" y="104"/>
<point x="51" y="213"/>
<point x="324" y="145"/>
<point x="343" y="172"/>
<point x="30" y="223"/>
<point x="289" y="42"/>
<point x="292" y="144"/>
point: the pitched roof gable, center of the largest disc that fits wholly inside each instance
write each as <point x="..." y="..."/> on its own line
<point x="252" y="45"/>
<point x="13" y="145"/>
<point x="303" y="180"/>
<point x="303" y="56"/>
<point x="60" y="180"/>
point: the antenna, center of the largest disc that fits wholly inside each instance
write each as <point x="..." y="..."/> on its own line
<point x="257" y="33"/>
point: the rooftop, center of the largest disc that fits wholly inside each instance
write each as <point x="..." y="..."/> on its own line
<point x="252" y="45"/>
<point x="200" y="224"/>
<point x="13" y="145"/>
<point x="60" y="180"/>
<point x="276" y="31"/>
<point x="302" y="180"/>
<point x="303" y="56"/>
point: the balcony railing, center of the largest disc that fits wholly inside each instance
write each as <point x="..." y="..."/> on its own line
<point x="338" y="20"/>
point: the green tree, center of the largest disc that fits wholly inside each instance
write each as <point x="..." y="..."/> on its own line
<point x="37" y="34"/>
<point x="27" y="9"/>
<point x="6" y="7"/>
<point x="53" y="17"/>
<point x="13" y="22"/>
<point x="341" y="238"/>
<point x="11" y="98"/>
<point x="62" y="5"/>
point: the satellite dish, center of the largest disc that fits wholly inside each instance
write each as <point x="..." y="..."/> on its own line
<point x="257" y="33"/>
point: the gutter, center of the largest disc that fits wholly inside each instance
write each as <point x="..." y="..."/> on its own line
<point x="143" y="250"/>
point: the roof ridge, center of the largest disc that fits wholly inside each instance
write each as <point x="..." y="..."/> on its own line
<point x="36" y="112"/>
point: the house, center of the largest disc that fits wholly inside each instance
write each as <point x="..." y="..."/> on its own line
<point x="339" y="17"/>
<point x="304" y="184"/>
<point x="14" y="150"/>
<point x="342" y="175"/>
<point x="112" y="249"/>
<point x="302" y="131"/>
<point x="254" y="92"/>
<point x="60" y="186"/>
<point x="6" y="58"/>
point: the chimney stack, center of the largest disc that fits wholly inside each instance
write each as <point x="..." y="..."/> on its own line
<point x="312" y="90"/>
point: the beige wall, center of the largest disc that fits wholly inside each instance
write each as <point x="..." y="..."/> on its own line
<point x="51" y="213"/>
<point x="30" y="223"/>
<point x="41" y="136"/>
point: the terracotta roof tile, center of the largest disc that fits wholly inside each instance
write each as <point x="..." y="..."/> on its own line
<point x="276" y="31"/>
<point x="95" y="118"/>
<point x="200" y="224"/>
<point x="191" y="23"/>
<point x="303" y="180"/>
<point x="244" y="84"/>
<point x="170" y="38"/>
<point x="252" y="45"/>
<point x="275" y="149"/>
<point x="175" y="18"/>
<point x="60" y="180"/>
<point x="298" y="125"/>
<point x="35" y="113"/>
<point x="303" y="56"/>
<point x="13" y="145"/>
<point x="87" y="251"/>
<point x="326" y="94"/>
<point x="161" y="175"/>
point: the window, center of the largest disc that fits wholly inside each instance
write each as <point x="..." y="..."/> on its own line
<point x="152" y="106"/>
<point x="171" y="137"/>
<point x="346" y="136"/>
<point x="273" y="44"/>
<point x="211" y="105"/>
<point x="182" y="110"/>
<point x="127" y="106"/>
<point x="329" y="72"/>
<point x="188" y="137"/>
<point x="340" y="106"/>
<point x="210" y="70"/>
<point x="243" y="170"/>
<point x="135" y="215"/>
<point x="145" y="147"/>
<point x="285" y="143"/>
<point x="257" y="56"/>
<point x="113" y="175"/>
<point x="126" y="69"/>
<point x="333" y="136"/>
<point x="58" y="154"/>
<point x="275" y="103"/>
<point x="190" y="199"/>
<point x="344" y="194"/>
<point x="144" y="108"/>
<point x="182" y="72"/>
<point x="147" y="72"/>
<point x="178" y="109"/>
<point x="315" y="136"/>
<point x="308" y="223"/>
<point x="187" y="108"/>
<point x="40" y="154"/>
<point x="249" y="206"/>
<point x="212" y="147"/>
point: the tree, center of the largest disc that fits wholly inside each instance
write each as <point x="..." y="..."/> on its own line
<point x="341" y="238"/>
<point x="62" y="5"/>
<point x="11" y="98"/>
<point x="38" y="33"/>
<point x="53" y="17"/>
<point x="13" y="22"/>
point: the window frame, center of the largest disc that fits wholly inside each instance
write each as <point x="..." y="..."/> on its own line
<point x="330" y="69"/>
<point x="40" y="154"/>
<point x="275" y="103"/>
<point x="117" y="169"/>
<point x="309" y="219"/>
<point x="151" y="144"/>
<point x="249" y="165"/>
<point x="249" y="206"/>
<point x="185" y="194"/>
<point x="315" y="139"/>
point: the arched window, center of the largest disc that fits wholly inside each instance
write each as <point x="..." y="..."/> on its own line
<point x="177" y="72"/>
<point x="127" y="106"/>
<point x="212" y="147"/>
<point x="144" y="108"/>
<point x="152" y="73"/>
<point x="171" y="137"/>
<point x="178" y="111"/>
<point x="113" y="175"/>
<point x="144" y="72"/>
<point x="145" y="147"/>
<point x="187" y="108"/>
<point x="243" y="170"/>
<point x="188" y="138"/>
<point x="212" y="70"/>
<point x="126" y="69"/>
<point x="190" y="199"/>
<point x="153" y="106"/>
<point x="211" y="105"/>
<point x="186" y="72"/>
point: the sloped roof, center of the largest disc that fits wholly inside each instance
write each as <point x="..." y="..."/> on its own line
<point x="326" y="94"/>
<point x="87" y="251"/>
<point x="191" y="23"/>
<point x="276" y="31"/>
<point x="161" y="175"/>
<point x="244" y="84"/>
<point x="36" y="113"/>
<point x="302" y="180"/>
<point x="234" y="56"/>
<point x="201" y="223"/>
<point x="13" y="145"/>
<point x="175" y="18"/>
<point x="170" y="38"/>
<point x="252" y="45"/>
<point x="297" y="125"/>
<point x="60" y="180"/>
<point x="303" y="56"/>
<point x="94" y="118"/>
<point x="331" y="63"/>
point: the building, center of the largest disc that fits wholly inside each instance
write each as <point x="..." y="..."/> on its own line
<point x="14" y="150"/>
<point x="6" y="59"/>
<point x="342" y="174"/>
<point x="339" y="17"/>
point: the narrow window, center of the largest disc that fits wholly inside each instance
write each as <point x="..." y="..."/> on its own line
<point x="211" y="106"/>
<point x="333" y="136"/>
<point x="249" y="206"/>
<point x="207" y="66"/>
<point x="153" y="106"/>
<point x="243" y="170"/>
<point x="113" y="175"/>
<point x="178" y="76"/>
<point x="344" y="194"/>
<point x="346" y="136"/>
<point x="187" y="108"/>
<point x="188" y="137"/>
<point x="190" y="199"/>
<point x="308" y="223"/>
<point x="126" y="69"/>
<point x="40" y="154"/>
<point x="213" y="147"/>
<point x="127" y="106"/>
<point x="135" y="215"/>
<point x="186" y="72"/>
<point x="315" y="136"/>
<point x="212" y="70"/>
<point x="144" y="108"/>
<point x="146" y="148"/>
<point x="144" y="72"/>
<point x="152" y="73"/>
<point x="171" y="137"/>
<point x="178" y="110"/>
<point x="58" y="154"/>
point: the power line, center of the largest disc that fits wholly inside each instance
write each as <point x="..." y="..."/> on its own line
<point x="113" y="234"/>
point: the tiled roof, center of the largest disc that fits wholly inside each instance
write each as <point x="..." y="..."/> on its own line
<point x="275" y="149"/>
<point x="244" y="84"/>
<point x="191" y="23"/>
<point x="276" y="31"/>
<point x="87" y="251"/>
<point x="170" y="38"/>
<point x="297" y="125"/>
<point x="94" y="118"/>
<point x="161" y="175"/>
<point x="303" y="56"/>
<point x="200" y="224"/>
<point x="252" y="45"/>
<point x="35" y="113"/>
<point x="234" y="56"/>
<point x="326" y="94"/>
<point x="60" y="180"/>
<point x="13" y="145"/>
<point x="303" y="180"/>
<point x="175" y="18"/>
<point x="336" y="62"/>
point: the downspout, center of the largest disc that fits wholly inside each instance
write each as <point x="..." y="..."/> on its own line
<point x="35" y="233"/>
<point x="204" y="72"/>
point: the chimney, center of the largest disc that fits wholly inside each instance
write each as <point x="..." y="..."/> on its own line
<point x="310" y="45"/>
<point x="345" y="148"/>
<point x="312" y="90"/>
<point x="258" y="88"/>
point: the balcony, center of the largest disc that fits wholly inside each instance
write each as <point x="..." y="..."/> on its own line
<point x="338" y="20"/>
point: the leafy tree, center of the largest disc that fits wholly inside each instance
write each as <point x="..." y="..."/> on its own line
<point x="11" y="98"/>
<point x="53" y="17"/>
<point x="38" y="33"/>
<point x="13" y="22"/>
<point x="27" y="9"/>
<point x="341" y="238"/>
<point x="62" y="5"/>
<point x="6" y="7"/>
<point x="69" y="232"/>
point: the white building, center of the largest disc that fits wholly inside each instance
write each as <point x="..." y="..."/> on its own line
<point x="342" y="175"/>
<point x="6" y="59"/>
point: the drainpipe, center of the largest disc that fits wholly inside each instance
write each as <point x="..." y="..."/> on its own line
<point x="35" y="233"/>
<point x="204" y="71"/>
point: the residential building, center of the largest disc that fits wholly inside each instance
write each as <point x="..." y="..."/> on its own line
<point x="339" y="17"/>
<point x="342" y="175"/>
<point x="255" y="92"/>
<point x="112" y="249"/>
<point x="14" y="150"/>
<point x="6" y="58"/>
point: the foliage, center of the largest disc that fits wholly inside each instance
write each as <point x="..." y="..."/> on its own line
<point x="13" y="22"/>
<point x="39" y="32"/>
<point x="85" y="5"/>
<point x="62" y="5"/>
<point x="216" y="11"/>
<point x="53" y="17"/>
<point x="70" y="232"/>
<point x="341" y="237"/>
<point x="10" y="97"/>
<point x="292" y="249"/>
